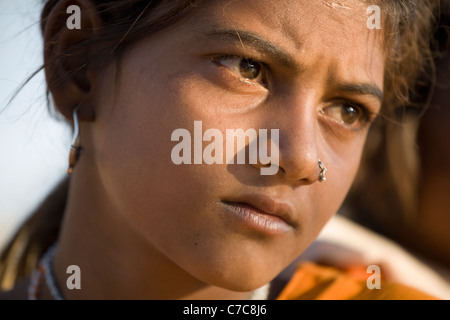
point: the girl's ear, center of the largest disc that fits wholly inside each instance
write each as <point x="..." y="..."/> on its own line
<point x="68" y="31"/>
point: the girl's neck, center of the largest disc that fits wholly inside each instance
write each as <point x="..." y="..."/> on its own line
<point x="115" y="261"/>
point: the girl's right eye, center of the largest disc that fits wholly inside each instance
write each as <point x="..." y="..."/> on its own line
<point x="247" y="68"/>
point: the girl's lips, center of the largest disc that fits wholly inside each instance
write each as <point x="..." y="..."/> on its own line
<point x="257" y="219"/>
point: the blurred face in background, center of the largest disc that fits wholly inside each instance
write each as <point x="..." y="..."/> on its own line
<point x="434" y="201"/>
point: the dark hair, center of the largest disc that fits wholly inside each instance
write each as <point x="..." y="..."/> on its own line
<point x="407" y="30"/>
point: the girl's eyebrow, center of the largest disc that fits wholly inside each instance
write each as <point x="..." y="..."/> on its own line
<point x="362" y="89"/>
<point x="250" y="39"/>
<point x="256" y="42"/>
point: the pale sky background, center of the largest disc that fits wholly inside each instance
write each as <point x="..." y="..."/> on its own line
<point x="33" y="144"/>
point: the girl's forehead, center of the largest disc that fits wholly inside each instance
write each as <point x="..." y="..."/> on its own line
<point x="305" y="29"/>
<point x="282" y="11"/>
<point x="293" y="20"/>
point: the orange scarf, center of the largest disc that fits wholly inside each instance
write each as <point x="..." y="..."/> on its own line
<point x="316" y="282"/>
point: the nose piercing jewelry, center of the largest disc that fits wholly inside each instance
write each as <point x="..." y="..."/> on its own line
<point x="75" y="150"/>
<point x="322" y="172"/>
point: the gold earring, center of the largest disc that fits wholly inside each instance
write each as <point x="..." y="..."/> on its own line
<point x="75" y="148"/>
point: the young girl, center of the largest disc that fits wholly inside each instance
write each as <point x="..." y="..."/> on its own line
<point x="158" y="205"/>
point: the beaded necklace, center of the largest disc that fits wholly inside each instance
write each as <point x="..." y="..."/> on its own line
<point x="44" y="270"/>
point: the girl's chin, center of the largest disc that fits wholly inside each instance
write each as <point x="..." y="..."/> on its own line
<point x="240" y="279"/>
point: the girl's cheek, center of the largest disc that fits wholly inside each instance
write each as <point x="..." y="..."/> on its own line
<point x="199" y="96"/>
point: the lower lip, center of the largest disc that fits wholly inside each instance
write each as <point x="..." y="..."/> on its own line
<point x="257" y="220"/>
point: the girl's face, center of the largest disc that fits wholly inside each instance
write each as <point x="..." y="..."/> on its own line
<point x="311" y="69"/>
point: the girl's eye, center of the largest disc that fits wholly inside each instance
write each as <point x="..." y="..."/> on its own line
<point x="349" y="114"/>
<point x="247" y="68"/>
<point x="250" y="69"/>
